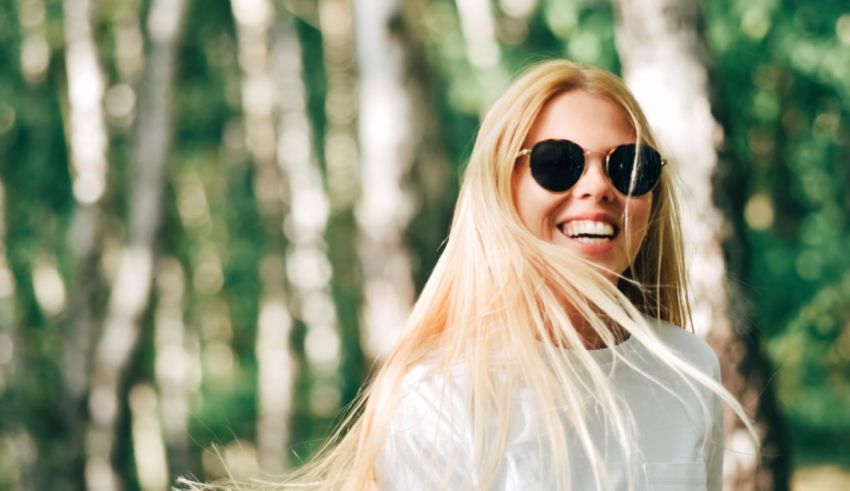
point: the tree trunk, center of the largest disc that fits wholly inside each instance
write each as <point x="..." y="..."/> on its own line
<point x="307" y="265"/>
<point x="341" y="152"/>
<point x="666" y="64"/>
<point x="275" y="366"/>
<point x="88" y="142"/>
<point x="388" y="139"/>
<point x="86" y="85"/>
<point x="131" y="288"/>
<point x="146" y="435"/>
<point x="478" y="25"/>
<point x="479" y="32"/>
<point x="173" y="372"/>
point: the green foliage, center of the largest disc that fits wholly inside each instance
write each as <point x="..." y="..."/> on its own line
<point x="784" y="66"/>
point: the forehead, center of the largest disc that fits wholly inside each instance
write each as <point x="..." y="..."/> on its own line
<point x="593" y="121"/>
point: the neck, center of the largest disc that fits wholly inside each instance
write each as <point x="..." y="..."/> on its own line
<point x="593" y="340"/>
<point x="589" y="337"/>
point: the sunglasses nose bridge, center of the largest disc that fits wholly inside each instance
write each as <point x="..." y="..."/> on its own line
<point x="603" y="157"/>
<point x="603" y="160"/>
<point x="588" y="153"/>
<point x="596" y="180"/>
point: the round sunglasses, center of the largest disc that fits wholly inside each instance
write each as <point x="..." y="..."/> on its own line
<point x="557" y="165"/>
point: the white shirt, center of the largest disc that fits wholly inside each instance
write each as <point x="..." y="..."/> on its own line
<point x="674" y="453"/>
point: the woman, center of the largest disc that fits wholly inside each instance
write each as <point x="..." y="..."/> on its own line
<point x="542" y="352"/>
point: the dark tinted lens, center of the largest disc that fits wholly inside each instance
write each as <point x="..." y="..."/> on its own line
<point x="556" y="164"/>
<point x="633" y="181"/>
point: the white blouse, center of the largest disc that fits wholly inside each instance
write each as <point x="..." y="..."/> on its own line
<point x="422" y="448"/>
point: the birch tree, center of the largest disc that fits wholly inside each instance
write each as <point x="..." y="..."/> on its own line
<point x="175" y="380"/>
<point x="341" y="153"/>
<point x="478" y="25"/>
<point x="88" y="142"/>
<point x="260" y="101"/>
<point x="274" y="366"/>
<point x="130" y="290"/>
<point x="666" y="64"/>
<point x="388" y="140"/>
<point x="308" y="268"/>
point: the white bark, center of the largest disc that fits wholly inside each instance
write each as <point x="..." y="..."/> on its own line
<point x="88" y="142"/>
<point x="253" y="18"/>
<point x="10" y="359"/>
<point x="129" y="41"/>
<point x="308" y="268"/>
<point x="479" y="31"/>
<point x="387" y="126"/>
<point x="174" y="369"/>
<point x="340" y="103"/>
<point x="148" y="447"/>
<point x="519" y="9"/>
<point x="35" y="50"/>
<point x="7" y="292"/>
<point x="478" y="26"/>
<point x="131" y="287"/>
<point x="276" y="374"/>
<point x="275" y="369"/>
<point x="86" y="85"/>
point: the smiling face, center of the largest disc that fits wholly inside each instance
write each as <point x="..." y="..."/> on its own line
<point x="591" y="216"/>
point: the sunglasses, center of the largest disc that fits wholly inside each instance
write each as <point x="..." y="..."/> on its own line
<point x="557" y="165"/>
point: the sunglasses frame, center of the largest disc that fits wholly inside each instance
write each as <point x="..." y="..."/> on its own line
<point x="585" y="153"/>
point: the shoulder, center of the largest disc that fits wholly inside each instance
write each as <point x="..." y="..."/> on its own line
<point x="688" y="345"/>
<point x="428" y="379"/>
<point x="428" y="395"/>
<point x="431" y="418"/>
<point x="428" y="443"/>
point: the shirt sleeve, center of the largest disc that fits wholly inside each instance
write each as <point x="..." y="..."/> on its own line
<point x="714" y="457"/>
<point x="429" y="444"/>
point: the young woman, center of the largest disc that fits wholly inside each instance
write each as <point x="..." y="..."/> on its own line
<point x="544" y="351"/>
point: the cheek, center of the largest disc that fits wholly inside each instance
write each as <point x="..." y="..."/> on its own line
<point x="639" y="220"/>
<point x="524" y="199"/>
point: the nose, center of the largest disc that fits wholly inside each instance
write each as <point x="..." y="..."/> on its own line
<point x="594" y="183"/>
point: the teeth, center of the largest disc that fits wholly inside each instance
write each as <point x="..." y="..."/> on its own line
<point x="589" y="227"/>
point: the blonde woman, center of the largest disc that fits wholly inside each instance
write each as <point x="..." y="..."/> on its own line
<point x="545" y="350"/>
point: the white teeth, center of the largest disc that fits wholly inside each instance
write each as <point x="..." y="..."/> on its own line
<point x="589" y="227"/>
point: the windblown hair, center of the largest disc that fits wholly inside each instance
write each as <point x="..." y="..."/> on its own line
<point x="496" y="300"/>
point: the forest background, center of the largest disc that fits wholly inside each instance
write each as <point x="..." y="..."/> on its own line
<point x="215" y="214"/>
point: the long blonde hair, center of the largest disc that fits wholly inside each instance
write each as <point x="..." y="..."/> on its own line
<point x="496" y="292"/>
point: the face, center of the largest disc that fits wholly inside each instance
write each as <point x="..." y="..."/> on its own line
<point x="590" y="217"/>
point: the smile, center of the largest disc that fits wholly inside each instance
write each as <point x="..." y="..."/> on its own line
<point x="589" y="231"/>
